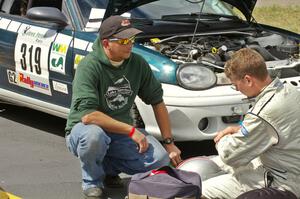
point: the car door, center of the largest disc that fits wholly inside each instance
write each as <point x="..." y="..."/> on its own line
<point x="36" y="62"/>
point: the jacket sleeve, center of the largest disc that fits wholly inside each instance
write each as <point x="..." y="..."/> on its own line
<point x="150" y="90"/>
<point x="254" y="137"/>
<point x="85" y="88"/>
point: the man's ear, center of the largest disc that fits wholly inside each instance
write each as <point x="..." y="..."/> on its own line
<point x="249" y="80"/>
<point x="105" y="43"/>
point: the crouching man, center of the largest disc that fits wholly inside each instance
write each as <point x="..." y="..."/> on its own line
<point x="99" y="127"/>
<point x="264" y="150"/>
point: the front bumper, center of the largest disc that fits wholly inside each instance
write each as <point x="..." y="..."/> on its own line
<point x="197" y="115"/>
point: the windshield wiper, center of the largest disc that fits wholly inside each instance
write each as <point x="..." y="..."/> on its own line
<point x="196" y="16"/>
<point x="213" y="16"/>
<point x="185" y="18"/>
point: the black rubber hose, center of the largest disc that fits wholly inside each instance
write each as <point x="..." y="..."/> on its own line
<point x="264" y="53"/>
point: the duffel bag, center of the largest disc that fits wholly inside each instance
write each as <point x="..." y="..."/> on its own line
<point x="165" y="183"/>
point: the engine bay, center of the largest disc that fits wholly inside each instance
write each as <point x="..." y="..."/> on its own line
<point x="213" y="50"/>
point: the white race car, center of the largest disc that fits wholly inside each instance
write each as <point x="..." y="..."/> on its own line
<point x="185" y="42"/>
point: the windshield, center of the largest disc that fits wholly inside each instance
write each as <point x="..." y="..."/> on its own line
<point x="158" y="9"/>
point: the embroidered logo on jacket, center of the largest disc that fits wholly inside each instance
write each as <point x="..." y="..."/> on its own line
<point x="117" y="95"/>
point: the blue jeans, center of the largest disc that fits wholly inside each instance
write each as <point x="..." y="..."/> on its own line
<point x="102" y="153"/>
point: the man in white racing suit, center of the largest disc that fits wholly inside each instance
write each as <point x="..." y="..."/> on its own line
<point x="264" y="150"/>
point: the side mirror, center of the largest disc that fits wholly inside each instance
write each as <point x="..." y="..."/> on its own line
<point x="47" y="14"/>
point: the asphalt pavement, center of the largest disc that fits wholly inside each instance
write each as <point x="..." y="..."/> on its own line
<point x="35" y="163"/>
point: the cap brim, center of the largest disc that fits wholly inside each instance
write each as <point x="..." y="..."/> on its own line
<point x="130" y="32"/>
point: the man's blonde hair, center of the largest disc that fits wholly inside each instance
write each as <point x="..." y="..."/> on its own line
<point x="246" y="62"/>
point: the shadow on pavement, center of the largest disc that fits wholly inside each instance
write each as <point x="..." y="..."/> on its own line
<point x="119" y="193"/>
<point x="56" y="125"/>
<point x="36" y="119"/>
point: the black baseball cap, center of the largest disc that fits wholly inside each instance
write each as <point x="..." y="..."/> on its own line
<point x="117" y="26"/>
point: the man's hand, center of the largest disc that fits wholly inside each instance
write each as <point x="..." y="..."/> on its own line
<point x="92" y="118"/>
<point x="174" y="153"/>
<point x="226" y="131"/>
<point x="141" y="140"/>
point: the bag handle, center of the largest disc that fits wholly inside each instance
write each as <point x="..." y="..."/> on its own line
<point x="166" y="170"/>
<point x="136" y="196"/>
<point x="156" y="172"/>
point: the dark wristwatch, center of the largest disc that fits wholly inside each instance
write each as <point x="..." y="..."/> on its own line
<point x="168" y="141"/>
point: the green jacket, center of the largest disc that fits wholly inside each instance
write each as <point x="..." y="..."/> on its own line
<point x="98" y="85"/>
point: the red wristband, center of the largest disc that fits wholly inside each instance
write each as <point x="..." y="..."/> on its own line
<point x="131" y="132"/>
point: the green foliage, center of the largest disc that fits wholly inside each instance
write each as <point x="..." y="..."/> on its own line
<point x="286" y="17"/>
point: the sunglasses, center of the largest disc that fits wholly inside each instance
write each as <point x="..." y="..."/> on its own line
<point x="123" y="41"/>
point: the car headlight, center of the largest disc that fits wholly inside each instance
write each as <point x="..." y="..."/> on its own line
<point x="193" y="76"/>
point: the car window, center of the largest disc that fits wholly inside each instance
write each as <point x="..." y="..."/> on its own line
<point x="5" y="6"/>
<point x="15" y="7"/>
<point x="47" y="3"/>
<point x="19" y="7"/>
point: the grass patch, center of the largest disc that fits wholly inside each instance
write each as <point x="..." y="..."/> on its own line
<point x="286" y="17"/>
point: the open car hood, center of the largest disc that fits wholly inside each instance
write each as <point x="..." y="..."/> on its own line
<point x="117" y="7"/>
<point x="245" y="6"/>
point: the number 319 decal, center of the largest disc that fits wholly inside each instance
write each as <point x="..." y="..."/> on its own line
<point x="31" y="57"/>
<point x="34" y="58"/>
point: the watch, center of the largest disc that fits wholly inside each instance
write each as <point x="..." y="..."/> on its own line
<point x="168" y="141"/>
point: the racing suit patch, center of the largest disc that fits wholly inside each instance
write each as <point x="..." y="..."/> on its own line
<point x="244" y="131"/>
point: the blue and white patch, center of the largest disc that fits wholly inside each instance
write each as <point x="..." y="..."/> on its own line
<point x="244" y="130"/>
